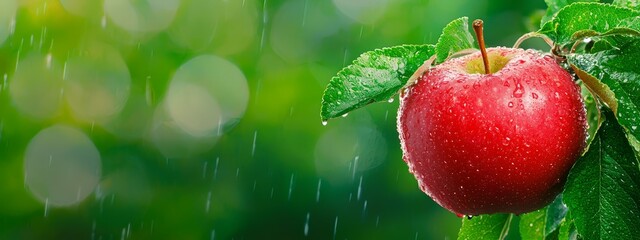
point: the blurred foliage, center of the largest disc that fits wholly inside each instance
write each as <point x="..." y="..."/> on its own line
<point x="270" y="169"/>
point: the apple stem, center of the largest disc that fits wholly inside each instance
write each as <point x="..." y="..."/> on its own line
<point x="477" y="27"/>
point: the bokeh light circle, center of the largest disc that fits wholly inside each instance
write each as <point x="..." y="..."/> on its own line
<point x="193" y="109"/>
<point x="172" y="140"/>
<point x="212" y="81"/>
<point x="80" y="7"/>
<point x="299" y="27"/>
<point x="7" y="18"/>
<point x="62" y="166"/>
<point x="97" y="83"/>
<point x="344" y="151"/>
<point x="36" y="86"/>
<point x="141" y="15"/>
<point x="226" y="27"/>
<point x="363" y="11"/>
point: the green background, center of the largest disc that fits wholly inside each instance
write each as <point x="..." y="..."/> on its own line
<point x="272" y="171"/>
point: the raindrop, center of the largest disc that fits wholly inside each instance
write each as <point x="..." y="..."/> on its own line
<point x="355" y="165"/>
<point x="103" y="22"/>
<point x="46" y="206"/>
<point x="318" y="191"/>
<point x="345" y="115"/>
<point x="290" y="186"/>
<point x="364" y="207"/>
<point x="204" y="169"/>
<point x="324" y="123"/>
<point x="469" y="217"/>
<point x="208" y="204"/>
<point x="359" y="189"/>
<point x="335" y="228"/>
<point x="253" y="148"/>
<point x="510" y="104"/>
<point x="390" y="100"/>
<point x="634" y="127"/>
<point x="306" y="225"/>
<point x="215" y="171"/>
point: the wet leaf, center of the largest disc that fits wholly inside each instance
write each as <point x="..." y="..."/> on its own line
<point x="602" y="190"/>
<point x="374" y="76"/>
<point x="614" y="76"/>
<point x="627" y="3"/>
<point x="454" y="38"/>
<point x="589" y="19"/>
<point x="489" y="227"/>
<point x="567" y="229"/>
<point x="543" y="223"/>
<point x="553" y="6"/>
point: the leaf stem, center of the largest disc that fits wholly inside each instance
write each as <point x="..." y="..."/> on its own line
<point x="477" y="28"/>
<point x="533" y="34"/>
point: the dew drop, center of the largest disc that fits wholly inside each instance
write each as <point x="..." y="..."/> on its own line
<point x="324" y="123"/>
<point x="390" y="100"/>
<point x="510" y="104"/>
<point x="345" y="115"/>
<point x="469" y="217"/>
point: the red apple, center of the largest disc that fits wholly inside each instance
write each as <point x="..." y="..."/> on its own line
<point x="501" y="142"/>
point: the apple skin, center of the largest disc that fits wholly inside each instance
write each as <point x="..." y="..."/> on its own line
<point x="493" y="143"/>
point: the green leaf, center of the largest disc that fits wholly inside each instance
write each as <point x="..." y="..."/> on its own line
<point x="543" y="223"/>
<point x="614" y="76"/>
<point x="374" y="76"/>
<point x="627" y="3"/>
<point x="567" y="229"/>
<point x="587" y="19"/>
<point x="489" y="227"/>
<point x="454" y="38"/>
<point x="553" y="6"/>
<point x="603" y="188"/>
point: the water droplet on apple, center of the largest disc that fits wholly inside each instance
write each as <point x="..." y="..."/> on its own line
<point x="521" y="61"/>
<point x="519" y="91"/>
<point x="534" y="95"/>
<point x="506" y="142"/>
<point x="324" y="123"/>
<point x="510" y="104"/>
<point x="506" y="84"/>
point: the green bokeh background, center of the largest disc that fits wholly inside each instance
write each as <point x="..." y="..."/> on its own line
<point x="275" y="172"/>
